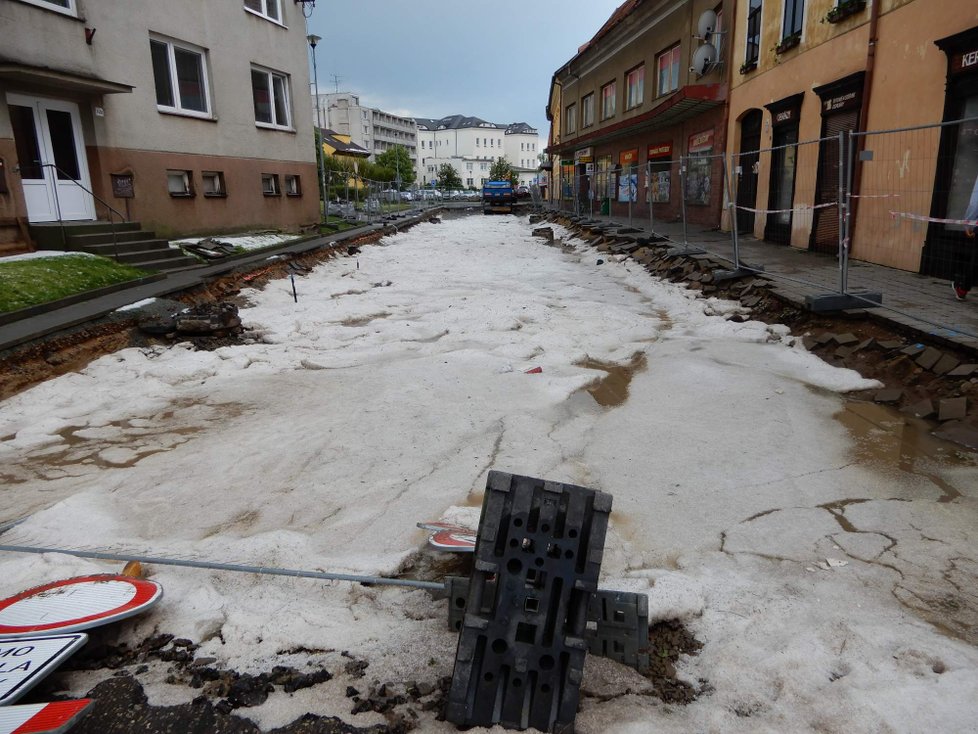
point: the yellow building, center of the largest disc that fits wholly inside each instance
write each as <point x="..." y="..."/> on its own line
<point x="342" y="148"/>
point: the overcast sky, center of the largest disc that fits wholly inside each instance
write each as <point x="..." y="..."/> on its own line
<point x="433" y="58"/>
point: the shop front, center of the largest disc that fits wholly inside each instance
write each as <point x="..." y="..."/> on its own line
<point x="785" y="117"/>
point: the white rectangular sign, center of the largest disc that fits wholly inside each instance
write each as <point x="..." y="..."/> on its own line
<point x="25" y="661"/>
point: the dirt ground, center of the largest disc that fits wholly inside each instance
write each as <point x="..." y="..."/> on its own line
<point x="856" y="340"/>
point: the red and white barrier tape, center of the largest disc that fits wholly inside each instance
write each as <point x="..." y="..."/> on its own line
<point x="795" y="209"/>
<point x="936" y="220"/>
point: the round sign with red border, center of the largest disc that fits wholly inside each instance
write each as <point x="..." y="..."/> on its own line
<point x="76" y="604"/>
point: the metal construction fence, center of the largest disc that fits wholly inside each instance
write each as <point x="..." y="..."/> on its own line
<point x="886" y="216"/>
<point x="354" y="199"/>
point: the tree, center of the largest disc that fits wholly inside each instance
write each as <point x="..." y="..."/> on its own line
<point x="448" y="177"/>
<point x="397" y="165"/>
<point x="502" y="170"/>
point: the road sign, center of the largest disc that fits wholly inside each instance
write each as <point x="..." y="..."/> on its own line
<point x="38" y="718"/>
<point x="76" y="604"/>
<point x="450" y="540"/>
<point x="26" y="661"/>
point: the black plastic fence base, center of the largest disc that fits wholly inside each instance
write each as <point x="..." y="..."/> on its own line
<point x="686" y="251"/>
<point x="521" y="647"/>
<point x="617" y="622"/>
<point x="843" y="301"/>
<point x="745" y="271"/>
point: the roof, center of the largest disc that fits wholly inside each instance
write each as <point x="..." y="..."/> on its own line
<point x="460" y="122"/>
<point x="330" y="138"/>
<point x="621" y="12"/>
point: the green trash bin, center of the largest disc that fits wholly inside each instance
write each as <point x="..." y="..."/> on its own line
<point x="606" y="206"/>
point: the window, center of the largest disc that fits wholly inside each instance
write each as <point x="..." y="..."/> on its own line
<point x="179" y="183"/>
<point x="570" y="119"/>
<point x="668" y="65"/>
<point x="608" y="99"/>
<point x="59" y="6"/>
<point x="753" y="51"/>
<point x="476" y="142"/>
<point x="265" y="8"/>
<point x="270" y="91"/>
<point x="293" y="186"/>
<point x="269" y="184"/>
<point x="635" y="83"/>
<point x="213" y="183"/>
<point x="794" y="17"/>
<point x="180" y="74"/>
<point x="587" y="110"/>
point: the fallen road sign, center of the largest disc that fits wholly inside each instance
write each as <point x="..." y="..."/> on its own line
<point x="37" y="718"/>
<point x="76" y="604"/>
<point x="453" y="541"/>
<point x="26" y="661"/>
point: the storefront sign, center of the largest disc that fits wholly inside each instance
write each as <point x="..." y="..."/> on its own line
<point x="965" y="61"/>
<point x="785" y="116"/>
<point x="584" y="155"/>
<point x="701" y="142"/>
<point x="847" y="101"/>
<point x="628" y="157"/>
<point x="662" y="150"/>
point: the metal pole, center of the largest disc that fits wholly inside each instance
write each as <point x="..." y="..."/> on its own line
<point x="728" y="172"/>
<point x="682" y="198"/>
<point x="648" y="188"/>
<point x="842" y="211"/>
<point x="313" y="41"/>
<point x="241" y="568"/>
<point x="847" y="241"/>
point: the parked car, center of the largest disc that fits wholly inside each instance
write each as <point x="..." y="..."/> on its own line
<point x="406" y="196"/>
<point x="522" y="192"/>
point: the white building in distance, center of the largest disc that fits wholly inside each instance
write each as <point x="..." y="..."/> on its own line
<point x="368" y="127"/>
<point x="471" y="146"/>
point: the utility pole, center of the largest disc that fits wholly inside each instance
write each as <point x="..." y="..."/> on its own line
<point x="313" y="41"/>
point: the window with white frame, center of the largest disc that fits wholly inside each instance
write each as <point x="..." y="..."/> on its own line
<point x="269" y="184"/>
<point x="587" y="110"/>
<point x="212" y="182"/>
<point x="59" y="6"/>
<point x="635" y="86"/>
<point x="293" y="186"/>
<point x="570" y="118"/>
<point x="179" y="183"/>
<point x="609" y="96"/>
<point x="270" y="91"/>
<point x="180" y="74"/>
<point x="265" y="8"/>
<point x="667" y="64"/>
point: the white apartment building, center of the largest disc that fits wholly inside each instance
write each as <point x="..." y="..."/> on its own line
<point x="471" y="145"/>
<point x="368" y="127"/>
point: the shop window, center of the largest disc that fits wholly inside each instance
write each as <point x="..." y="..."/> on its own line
<point x="293" y="186"/>
<point x="608" y="98"/>
<point x="962" y="200"/>
<point x="587" y="110"/>
<point x="635" y="86"/>
<point x="270" y="184"/>
<point x="179" y="183"/>
<point x="180" y="76"/>
<point x="570" y="119"/>
<point x="667" y="64"/>
<point x="212" y="182"/>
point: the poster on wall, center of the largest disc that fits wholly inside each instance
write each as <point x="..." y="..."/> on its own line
<point x="628" y="181"/>
<point x="698" y="167"/>
<point x="659" y="183"/>
<point x="659" y="169"/>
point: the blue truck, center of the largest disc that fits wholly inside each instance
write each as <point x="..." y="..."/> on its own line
<point x="498" y="196"/>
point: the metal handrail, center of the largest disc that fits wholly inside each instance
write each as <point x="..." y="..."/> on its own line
<point x="79" y="184"/>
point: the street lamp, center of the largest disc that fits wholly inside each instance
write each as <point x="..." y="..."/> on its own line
<point x="313" y="40"/>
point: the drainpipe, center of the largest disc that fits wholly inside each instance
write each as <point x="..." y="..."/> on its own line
<point x="874" y="18"/>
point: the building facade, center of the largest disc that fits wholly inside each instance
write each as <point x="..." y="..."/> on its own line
<point x="629" y="105"/>
<point x="367" y="127"/>
<point x="804" y="71"/>
<point x="182" y="115"/>
<point x="471" y="145"/>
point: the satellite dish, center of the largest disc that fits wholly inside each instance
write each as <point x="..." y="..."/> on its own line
<point x="707" y="24"/>
<point x="704" y="58"/>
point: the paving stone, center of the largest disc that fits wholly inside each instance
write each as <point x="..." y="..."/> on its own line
<point x="865" y="344"/>
<point x="952" y="409"/>
<point x="929" y="358"/>
<point x="844" y="340"/>
<point x="959" y="432"/>
<point x="923" y="409"/>
<point x="809" y="342"/>
<point x="913" y="349"/>
<point x="889" y="344"/>
<point x="890" y="395"/>
<point x="963" y="370"/>
<point x="824" y="338"/>
<point x="945" y="364"/>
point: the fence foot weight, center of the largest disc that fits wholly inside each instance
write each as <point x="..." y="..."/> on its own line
<point x="745" y="271"/>
<point x="686" y="251"/>
<point x="843" y="301"/>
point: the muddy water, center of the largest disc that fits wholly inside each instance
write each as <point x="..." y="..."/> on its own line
<point x="612" y="390"/>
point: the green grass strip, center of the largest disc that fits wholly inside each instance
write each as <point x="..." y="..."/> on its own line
<point x="25" y="283"/>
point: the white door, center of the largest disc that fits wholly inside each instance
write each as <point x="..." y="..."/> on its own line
<point x="51" y="155"/>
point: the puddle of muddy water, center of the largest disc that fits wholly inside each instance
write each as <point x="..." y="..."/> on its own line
<point x="364" y="320"/>
<point x="887" y="438"/>
<point x="612" y="390"/>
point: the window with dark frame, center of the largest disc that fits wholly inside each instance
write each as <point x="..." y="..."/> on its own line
<point x="180" y="76"/>
<point x="212" y="183"/>
<point x="794" y="18"/>
<point x="753" y="51"/>
<point x="270" y="185"/>
<point x="635" y="87"/>
<point x="608" y="100"/>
